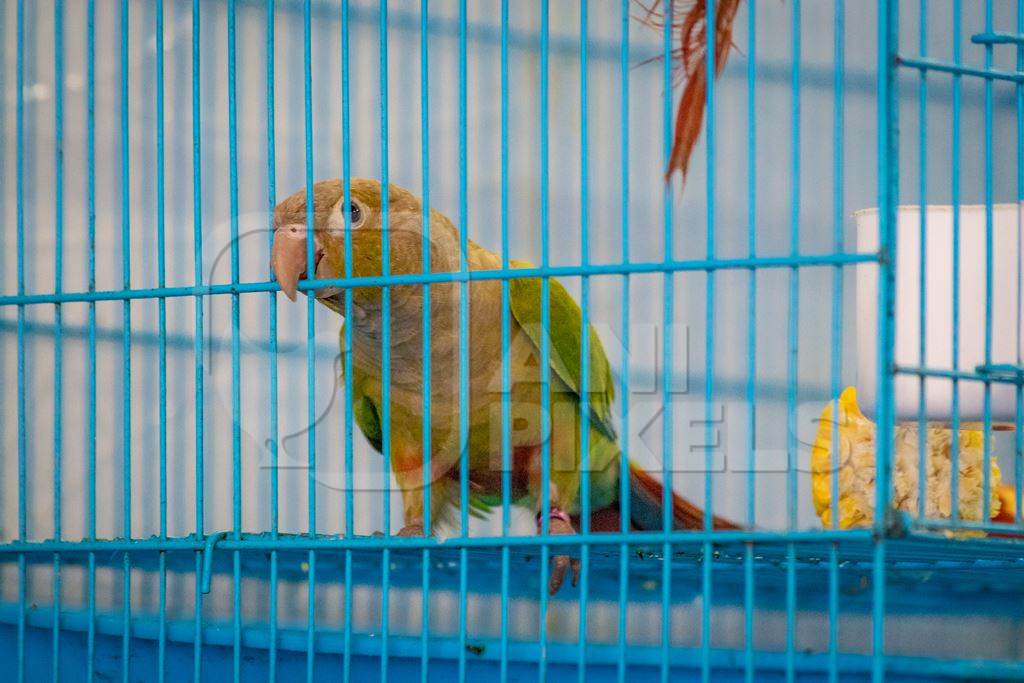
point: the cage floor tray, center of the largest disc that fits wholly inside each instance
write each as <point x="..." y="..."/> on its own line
<point x="924" y="572"/>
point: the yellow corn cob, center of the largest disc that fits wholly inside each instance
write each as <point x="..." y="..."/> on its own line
<point x="856" y="463"/>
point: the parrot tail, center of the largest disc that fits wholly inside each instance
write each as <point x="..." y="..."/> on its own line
<point x="645" y="498"/>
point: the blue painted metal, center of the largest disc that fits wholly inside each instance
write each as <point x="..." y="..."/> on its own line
<point x="957" y="69"/>
<point x="545" y="342"/>
<point x="274" y="587"/>
<point x="709" y="343"/>
<point x="1018" y="450"/>
<point x="329" y="542"/>
<point x="126" y="346"/>
<point x="922" y="349"/>
<point x="751" y="387"/>
<point x="161" y="244"/>
<point x="58" y="346"/>
<point x="623" y="596"/>
<point x="522" y="663"/>
<point x="990" y="37"/>
<point x="730" y="386"/>
<point x="236" y="312"/>
<point x="990" y="569"/>
<point x="200" y="375"/>
<point x="346" y="163"/>
<point x="835" y="370"/>
<point x="753" y="569"/>
<point x="385" y="347"/>
<point x="209" y="545"/>
<point x="506" y="359"/>
<point x="463" y="333"/>
<point x="792" y="343"/>
<point x="667" y="354"/>
<point x="91" y="239"/>
<point x="425" y="199"/>
<point x="19" y="170"/>
<point x="4" y="177"/>
<point x="584" y="408"/>
<point x="955" y="275"/>
<point x="634" y="267"/>
<point x="888" y="175"/>
<point x="307" y="111"/>
<point x="986" y="501"/>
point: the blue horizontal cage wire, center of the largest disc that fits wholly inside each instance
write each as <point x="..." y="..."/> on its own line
<point x="186" y="493"/>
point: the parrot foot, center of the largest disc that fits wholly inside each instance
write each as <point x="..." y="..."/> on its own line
<point x="411" y="530"/>
<point x="560" y="523"/>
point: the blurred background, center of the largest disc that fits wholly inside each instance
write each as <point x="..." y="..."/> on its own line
<point x="797" y="195"/>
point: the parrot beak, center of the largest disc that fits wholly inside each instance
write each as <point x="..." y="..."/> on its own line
<point x="288" y="257"/>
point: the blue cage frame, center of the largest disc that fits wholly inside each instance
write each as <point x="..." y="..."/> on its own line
<point x="55" y="642"/>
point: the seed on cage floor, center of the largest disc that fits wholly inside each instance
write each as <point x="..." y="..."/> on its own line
<point x="970" y="450"/>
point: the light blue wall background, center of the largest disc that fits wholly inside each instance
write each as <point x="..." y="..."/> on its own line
<point x="773" y="221"/>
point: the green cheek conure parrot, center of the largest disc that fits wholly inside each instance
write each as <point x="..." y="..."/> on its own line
<point x="484" y="447"/>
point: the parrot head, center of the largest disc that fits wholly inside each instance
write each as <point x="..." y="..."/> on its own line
<point x="290" y="252"/>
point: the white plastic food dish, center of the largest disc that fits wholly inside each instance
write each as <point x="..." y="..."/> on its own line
<point x="1006" y="306"/>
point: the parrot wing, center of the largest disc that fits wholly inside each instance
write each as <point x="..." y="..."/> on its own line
<point x="365" y="415"/>
<point x="566" y="335"/>
<point x="364" y="412"/>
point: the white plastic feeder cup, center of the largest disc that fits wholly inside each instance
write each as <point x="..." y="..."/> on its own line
<point x="1007" y="347"/>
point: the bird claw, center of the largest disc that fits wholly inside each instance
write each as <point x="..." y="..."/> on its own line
<point x="560" y="563"/>
<point x="413" y="530"/>
<point x="560" y="524"/>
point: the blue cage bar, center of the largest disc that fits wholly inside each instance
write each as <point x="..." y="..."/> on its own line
<point x="183" y="493"/>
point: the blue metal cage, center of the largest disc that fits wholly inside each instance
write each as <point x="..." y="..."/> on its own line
<point x="183" y="495"/>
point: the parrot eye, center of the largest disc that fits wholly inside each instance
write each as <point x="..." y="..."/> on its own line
<point x="355" y="213"/>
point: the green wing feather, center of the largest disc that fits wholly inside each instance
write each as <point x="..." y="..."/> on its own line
<point x="566" y="334"/>
<point x="364" y="412"/>
<point x="365" y="415"/>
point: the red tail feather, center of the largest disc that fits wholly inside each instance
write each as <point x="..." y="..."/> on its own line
<point x="690" y="28"/>
<point x="645" y="507"/>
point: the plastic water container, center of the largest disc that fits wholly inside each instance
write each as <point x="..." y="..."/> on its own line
<point x="1006" y="304"/>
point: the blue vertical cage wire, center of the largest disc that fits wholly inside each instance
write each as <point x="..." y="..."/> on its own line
<point x="876" y="574"/>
